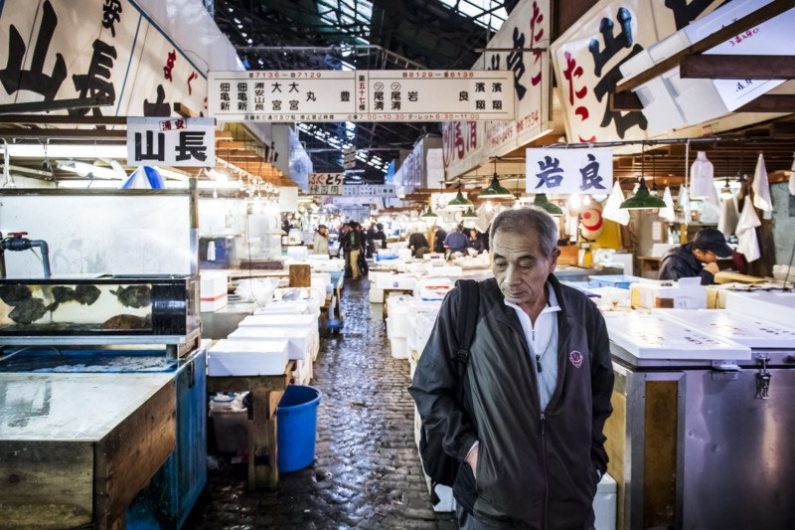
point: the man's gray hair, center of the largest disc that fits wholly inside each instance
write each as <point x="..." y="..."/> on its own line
<point x="519" y="221"/>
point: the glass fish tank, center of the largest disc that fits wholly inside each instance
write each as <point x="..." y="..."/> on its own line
<point x="156" y="305"/>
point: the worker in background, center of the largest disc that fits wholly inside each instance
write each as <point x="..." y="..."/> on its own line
<point x="525" y="420"/>
<point x="438" y="240"/>
<point x="418" y="245"/>
<point x="456" y="241"/>
<point x="352" y="246"/>
<point x="475" y="240"/>
<point x="343" y="236"/>
<point x="697" y="258"/>
<point x="379" y="236"/>
<point x="320" y="244"/>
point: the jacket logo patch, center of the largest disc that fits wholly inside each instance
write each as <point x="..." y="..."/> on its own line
<point x="575" y="358"/>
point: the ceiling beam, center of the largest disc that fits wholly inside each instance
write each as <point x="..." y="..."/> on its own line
<point x="737" y="67"/>
<point x="755" y="18"/>
<point x="61" y="133"/>
<point x="770" y="103"/>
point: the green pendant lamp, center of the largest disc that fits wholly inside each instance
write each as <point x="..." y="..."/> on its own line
<point x="495" y="190"/>
<point x="541" y="201"/>
<point x="459" y="202"/>
<point x="643" y="200"/>
<point x="469" y="214"/>
<point x="429" y="215"/>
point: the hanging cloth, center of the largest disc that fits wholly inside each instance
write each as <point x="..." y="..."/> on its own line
<point x="748" y="243"/>
<point x="701" y="173"/>
<point x="684" y="203"/>
<point x="729" y="216"/>
<point x="792" y="178"/>
<point x="761" y="186"/>
<point x="144" y="177"/>
<point x="668" y="213"/>
<point x="612" y="209"/>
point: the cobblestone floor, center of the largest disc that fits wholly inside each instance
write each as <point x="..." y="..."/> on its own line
<point x="366" y="474"/>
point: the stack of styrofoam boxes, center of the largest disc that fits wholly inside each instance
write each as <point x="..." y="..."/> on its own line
<point x="421" y="318"/>
<point x="247" y="358"/>
<point x="397" y="324"/>
<point x="308" y="323"/>
<point x="213" y="287"/>
<point x="301" y="345"/>
<point x="377" y="279"/>
<point x="432" y="288"/>
<point x="322" y="282"/>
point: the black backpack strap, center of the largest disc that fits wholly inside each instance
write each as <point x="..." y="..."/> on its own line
<point x="467" y="320"/>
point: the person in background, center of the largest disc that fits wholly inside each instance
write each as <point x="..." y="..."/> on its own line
<point x="697" y="258"/>
<point x="352" y="245"/>
<point x="456" y="241"/>
<point x="370" y="241"/>
<point x="418" y="245"/>
<point x="380" y="236"/>
<point x="525" y="420"/>
<point x="364" y="242"/>
<point x="475" y="240"/>
<point x="320" y="244"/>
<point x="343" y="247"/>
<point x="438" y="240"/>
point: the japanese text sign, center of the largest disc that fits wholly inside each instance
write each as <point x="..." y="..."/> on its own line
<point x="171" y="142"/>
<point x="326" y="183"/>
<point x="363" y="95"/>
<point x="369" y="190"/>
<point x="588" y="57"/>
<point x="588" y="171"/>
<point x="105" y="48"/>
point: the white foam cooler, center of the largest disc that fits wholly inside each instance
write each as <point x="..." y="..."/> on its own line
<point x="284" y="307"/>
<point x="213" y="287"/>
<point x="247" y="358"/>
<point x="280" y="321"/>
<point x="301" y="341"/>
<point x="605" y="502"/>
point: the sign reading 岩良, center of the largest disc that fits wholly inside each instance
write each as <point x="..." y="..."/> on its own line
<point x="588" y="171"/>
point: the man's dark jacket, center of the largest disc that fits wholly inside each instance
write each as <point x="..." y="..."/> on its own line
<point x="679" y="262"/>
<point x="534" y="470"/>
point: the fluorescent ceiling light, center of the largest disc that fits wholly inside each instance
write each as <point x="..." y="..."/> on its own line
<point x="68" y="151"/>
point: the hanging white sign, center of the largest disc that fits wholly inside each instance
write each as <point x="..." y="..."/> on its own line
<point x="363" y="95"/>
<point x="326" y="183"/>
<point x="369" y="190"/>
<point x="55" y="50"/>
<point x="588" y="171"/>
<point x="171" y="142"/>
<point x="587" y="61"/>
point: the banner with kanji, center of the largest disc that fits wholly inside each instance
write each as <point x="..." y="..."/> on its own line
<point x="586" y="171"/>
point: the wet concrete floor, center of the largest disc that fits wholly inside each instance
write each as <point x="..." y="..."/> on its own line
<point x="366" y="473"/>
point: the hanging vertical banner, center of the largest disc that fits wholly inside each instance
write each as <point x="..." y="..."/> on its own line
<point x="326" y="183"/>
<point x="171" y="142"/>
<point x="56" y="50"/>
<point x="588" y="171"/>
<point x="587" y="59"/>
<point x="469" y="144"/>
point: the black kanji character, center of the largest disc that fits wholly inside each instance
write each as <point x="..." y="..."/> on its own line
<point x="496" y="104"/>
<point x="110" y="15"/>
<point x="607" y="84"/>
<point x="293" y="104"/>
<point x="463" y="96"/>
<point x="191" y="145"/>
<point x="480" y="87"/>
<point x="613" y="43"/>
<point x="159" y="107"/>
<point x="685" y="13"/>
<point x="293" y="87"/>
<point x="550" y="174"/>
<point x="413" y="96"/>
<point x="590" y="175"/>
<point x="496" y="87"/>
<point x="480" y="104"/>
<point x="97" y="82"/>
<point x="276" y="87"/>
<point x="515" y="62"/>
<point x="150" y="154"/>
<point x="345" y="96"/>
<point x="14" y="78"/>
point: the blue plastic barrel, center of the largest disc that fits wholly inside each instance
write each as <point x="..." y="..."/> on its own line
<point x="297" y="426"/>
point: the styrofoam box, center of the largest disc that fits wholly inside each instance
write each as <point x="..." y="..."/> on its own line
<point x="301" y="341"/>
<point x="775" y="306"/>
<point x="277" y="321"/>
<point x="287" y="307"/>
<point x="748" y="330"/>
<point x="303" y="372"/>
<point x="396" y="281"/>
<point x="376" y="295"/>
<point x="213" y="290"/>
<point x="398" y="348"/>
<point x="240" y="358"/>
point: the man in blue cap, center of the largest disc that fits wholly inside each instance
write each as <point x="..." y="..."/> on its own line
<point x="697" y="258"/>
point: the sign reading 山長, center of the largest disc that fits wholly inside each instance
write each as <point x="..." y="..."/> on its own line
<point x="588" y="171"/>
<point x="171" y="142"/>
<point x="364" y="95"/>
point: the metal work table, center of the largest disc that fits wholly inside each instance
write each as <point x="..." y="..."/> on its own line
<point x="77" y="448"/>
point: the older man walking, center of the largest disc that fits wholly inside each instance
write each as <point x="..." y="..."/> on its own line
<point x="536" y="391"/>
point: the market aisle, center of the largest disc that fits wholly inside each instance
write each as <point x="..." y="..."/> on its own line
<point x="367" y="474"/>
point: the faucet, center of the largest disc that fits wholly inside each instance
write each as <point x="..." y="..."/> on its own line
<point x="16" y="241"/>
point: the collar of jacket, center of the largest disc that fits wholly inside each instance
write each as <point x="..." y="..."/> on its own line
<point x="508" y="316"/>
